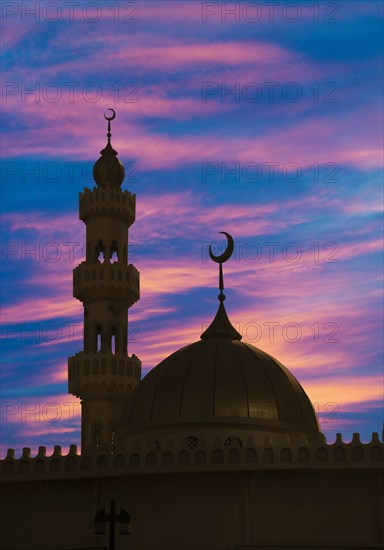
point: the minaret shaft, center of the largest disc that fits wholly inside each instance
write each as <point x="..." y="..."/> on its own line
<point x="103" y="374"/>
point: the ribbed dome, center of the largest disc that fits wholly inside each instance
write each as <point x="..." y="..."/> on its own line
<point x="220" y="380"/>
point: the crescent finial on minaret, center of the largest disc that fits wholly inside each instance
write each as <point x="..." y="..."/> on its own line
<point x="108" y="170"/>
<point x="109" y="123"/>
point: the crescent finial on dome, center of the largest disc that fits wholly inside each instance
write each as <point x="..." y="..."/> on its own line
<point x="221" y="326"/>
<point x="221" y="259"/>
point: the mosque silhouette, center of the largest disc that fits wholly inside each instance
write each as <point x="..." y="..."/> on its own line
<point x="217" y="448"/>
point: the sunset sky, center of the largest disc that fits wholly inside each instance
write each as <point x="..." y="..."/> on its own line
<point x="264" y="123"/>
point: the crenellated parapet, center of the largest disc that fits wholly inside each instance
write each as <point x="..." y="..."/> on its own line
<point x="93" y="375"/>
<point x="178" y="456"/>
<point x="108" y="200"/>
<point x="106" y="281"/>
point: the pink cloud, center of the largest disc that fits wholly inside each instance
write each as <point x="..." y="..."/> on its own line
<point x="38" y="411"/>
<point x="41" y="308"/>
<point x="304" y="144"/>
<point x="348" y="393"/>
<point x="184" y="54"/>
<point x="12" y="35"/>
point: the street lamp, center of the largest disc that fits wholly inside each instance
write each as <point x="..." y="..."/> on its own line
<point x="101" y="519"/>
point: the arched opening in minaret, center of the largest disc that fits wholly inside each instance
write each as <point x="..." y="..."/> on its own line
<point x="113" y="341"/>
<point x="114" y="252"/>
<point x="99" y="251"/>
<point x="114" y="258"/>
<point x="98" y="338"/>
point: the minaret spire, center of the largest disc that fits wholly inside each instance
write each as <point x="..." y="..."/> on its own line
<point x="221" y="326"/>
<point x="109" y="123"/>
<point x="108" y="170"/>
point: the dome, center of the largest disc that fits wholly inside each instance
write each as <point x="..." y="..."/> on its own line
<point x="108" y="170"/>
<point x="219" y="382"/>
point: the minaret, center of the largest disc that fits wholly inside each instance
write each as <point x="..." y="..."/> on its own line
<point x="103" y="375"/>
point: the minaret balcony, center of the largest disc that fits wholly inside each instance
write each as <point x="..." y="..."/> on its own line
<point x="107" y="200"/>
<point x="105" y="280"/>
<point x="103" y="374"/>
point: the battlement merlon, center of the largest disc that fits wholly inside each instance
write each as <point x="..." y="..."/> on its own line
<point x="107" y="200"/>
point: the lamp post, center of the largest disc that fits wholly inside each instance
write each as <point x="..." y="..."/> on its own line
<point x="101" y="518"/>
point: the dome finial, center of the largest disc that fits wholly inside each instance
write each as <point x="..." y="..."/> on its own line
<point x="221" y="326"/>
<point x="221" y="259"/>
